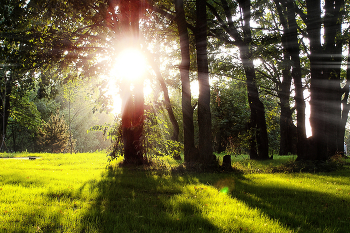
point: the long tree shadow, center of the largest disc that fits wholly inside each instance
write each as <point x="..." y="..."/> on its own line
<point x="131" y="200"/>
<point x="291" y="206"/>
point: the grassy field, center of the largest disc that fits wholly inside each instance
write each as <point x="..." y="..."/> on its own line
<point x="82" y="193"/>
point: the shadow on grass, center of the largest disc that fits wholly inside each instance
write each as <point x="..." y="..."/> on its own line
<point x="131" y="200"/>
<point x="138" y="201"/>
<point x="299" y="209"/>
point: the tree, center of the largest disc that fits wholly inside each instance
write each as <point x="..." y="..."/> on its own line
<point x="30" y="44"/>
<point x="325" y="85"/>
<point x="230" y="116"/>
<point x="133" y="104"/>
<point x="292" y="46"/>
<point x="6" y="88"/>
<point x="168" y="106"/>
<point x="228" y="32"/>
<point x="24" y="121"/>
<point x="190" y="152"/>
<point x="69" y="94"/>
<point x="54" y="135"/>
<point x="286" y="12"/>
<point x="204" y="115"/>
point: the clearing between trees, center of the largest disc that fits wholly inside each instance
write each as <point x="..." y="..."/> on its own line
<point x="84" y="193"/>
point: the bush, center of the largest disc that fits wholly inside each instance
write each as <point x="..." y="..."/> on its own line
<point x="53" y="136"/>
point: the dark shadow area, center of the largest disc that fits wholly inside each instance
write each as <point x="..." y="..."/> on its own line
<point x="138" y="200"/>
<point x="131" y="200"/>
<point x="291" y="206"/>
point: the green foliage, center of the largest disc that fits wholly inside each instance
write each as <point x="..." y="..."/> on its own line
<point x="333" y="164"/>
<point x="117" y="148"/>
<point x="272" y="117"/>
<point x="53" y="136"/>
<point x="46" y="107"/>
<point x="157" y="137"/>
<point x="78" y="101"/>
<point x="23" y="123"/>
<point x="24" y="111"/>
<point x="230" y="116"/>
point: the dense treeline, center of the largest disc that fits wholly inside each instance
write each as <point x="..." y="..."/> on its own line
<point x="257" y="65"/>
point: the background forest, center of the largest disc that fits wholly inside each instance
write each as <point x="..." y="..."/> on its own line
<point x="237" y="76"/>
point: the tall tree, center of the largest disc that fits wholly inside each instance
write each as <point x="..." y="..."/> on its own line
<point x="259" y="141"/>
<point x="35" y="41"/>
<point x="5" y="91"/>
<point x="325" y="66"/>
<point x="204" y="114"/>
<point x="133" y="102"/>
<point x="287" y="16"/>
<point x="230" y="34"/>
<point x="190" y="152"/>
<point x="168" y="106"/>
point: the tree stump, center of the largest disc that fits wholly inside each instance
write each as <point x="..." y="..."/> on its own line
<point x="226" y="162"/>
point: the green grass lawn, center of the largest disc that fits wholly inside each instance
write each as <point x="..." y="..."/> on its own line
<point x="81" y="193"/>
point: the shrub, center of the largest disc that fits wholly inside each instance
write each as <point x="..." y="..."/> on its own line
<point x="53" y="136"/>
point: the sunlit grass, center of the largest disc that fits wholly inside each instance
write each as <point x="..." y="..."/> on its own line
<point x="243" y="163"/>
<point x="82" y="193"/>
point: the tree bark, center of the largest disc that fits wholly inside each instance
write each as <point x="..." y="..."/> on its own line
<point x="259" y="139"/>
<point x="345" y="104"/>
<point x="5" y="111"/>
<point x="287" y="128"/>
<point x="133" y="101"/>
<point x="317" y="146"/>
<point x="258" y="131"/>
<point x="286" y="12"/>
<point x="175" y="135"/>
<point x="325" y="63"/>
<point x="190" y="152"/>
<point x="333" y="50"/>
<point x="294" y="51"/>
<point x="204" y="115"/>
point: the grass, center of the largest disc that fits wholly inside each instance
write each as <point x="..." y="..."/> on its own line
<point x="80" y="193"/>
<point x="243" y="163"/>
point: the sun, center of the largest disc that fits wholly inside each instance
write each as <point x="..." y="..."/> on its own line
<point x="130" y="64"/>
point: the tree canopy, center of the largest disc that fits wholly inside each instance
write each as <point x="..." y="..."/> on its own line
<point x="258" y="64"/>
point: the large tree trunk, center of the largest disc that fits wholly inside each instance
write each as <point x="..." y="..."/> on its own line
<point x="287" y="128"/>
<point x="5" y="111"/>
<point x="286" y="12"/>
<point x="345" y="104"/>
<point x="258" y="134"/>
<point x="258" y="131"/>
<point x="333" y="50"/>
<point x="325" y="63"/>
<point x="294" y="51"/>
<point x="204" y="115"/>
<point x="317" y="145"/>
<point x="190" y="152"/>
<point x="259" y="138"/>
<point x="133" y="101"/>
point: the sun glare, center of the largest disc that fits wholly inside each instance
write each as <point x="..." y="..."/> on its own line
<point x="130" y="65"/>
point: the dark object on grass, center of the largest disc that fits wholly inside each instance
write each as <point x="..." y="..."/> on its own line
<point x="32" y="158"/>
<point x="226" y="162"/>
